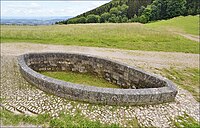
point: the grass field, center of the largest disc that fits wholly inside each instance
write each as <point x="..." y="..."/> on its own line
<point x="185" y="121"/>
<point x="123" y="36"/>
<point x="187" y="24"/>
<point x="45" y="120"/>
<point x="157" y="36"/>
<point x="79" y="78"/>
<point x="186" y="78"/>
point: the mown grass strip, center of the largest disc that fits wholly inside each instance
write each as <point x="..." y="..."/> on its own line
<point x="45" y="120"/>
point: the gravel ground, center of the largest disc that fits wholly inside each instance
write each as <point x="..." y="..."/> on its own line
<point x="21" y="97"/>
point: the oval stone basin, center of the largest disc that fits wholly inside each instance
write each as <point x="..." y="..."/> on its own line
<point x="138" y="87"/>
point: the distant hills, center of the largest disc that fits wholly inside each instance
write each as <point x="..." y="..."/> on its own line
<point x="119" y="11"/>
<point x="32" y="20"/>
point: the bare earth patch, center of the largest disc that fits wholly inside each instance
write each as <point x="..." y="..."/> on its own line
<point x="21" y="97"/>
<point x="190" y="36"/>
<point x="145" y="59"/>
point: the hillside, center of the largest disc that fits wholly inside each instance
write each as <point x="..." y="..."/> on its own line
<point x="132" y="36"/>
<point x="143" y="11"/>
<point x="181" y="24"/>
<point x="133" y="7"/>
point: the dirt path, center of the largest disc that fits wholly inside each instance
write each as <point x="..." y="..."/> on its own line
<point x="189" y="36"/>
<point x="143" y="59"/>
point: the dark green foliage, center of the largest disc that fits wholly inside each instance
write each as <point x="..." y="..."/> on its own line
<point x="123" y="9"/>
<point x="113" y="19"/>
<point x="143" y="19"/>
<point x="135" y="5"/>
<point x="140" y="11"/>
<point x="192" y="7"/>
<point x="120" y="11"/>
<point x="163" y="9"/>
<point x="77" y="20"/>
<point x="134" y="19"/>
<point x="125" y="19"/>
<point x="93" y="18"/>
<point x="146" y="15"/>
<point x="104" y="17"/>
<point x="116" y="7"/>
<point x="81" y="20"/>
<point x="114" y="11"/>
<point x="105" y="8"/>
<point x="175" y="8"/>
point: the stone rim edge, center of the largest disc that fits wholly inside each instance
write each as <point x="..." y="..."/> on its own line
<point x="108" y="96"/>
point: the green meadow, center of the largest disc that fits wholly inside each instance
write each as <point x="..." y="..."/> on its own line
<point x="155" y="36"/>
<point x="132" y="36"/>
<point x="187" y="79"/>
<point x="45" y="120"/>
<point x="187" y="24"/>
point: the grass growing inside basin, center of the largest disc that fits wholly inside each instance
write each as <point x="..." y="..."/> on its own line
<point x="186" y="78"/>
<point x="86" y="79"/>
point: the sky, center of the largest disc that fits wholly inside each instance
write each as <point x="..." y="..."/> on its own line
<point x="47" y="8"/>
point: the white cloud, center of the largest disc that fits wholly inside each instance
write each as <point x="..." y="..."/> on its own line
<point x="47" y="8"/>
<point x="23" y="6"/>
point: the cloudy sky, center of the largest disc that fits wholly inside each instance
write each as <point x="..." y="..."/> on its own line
<point x="47" y="8"/>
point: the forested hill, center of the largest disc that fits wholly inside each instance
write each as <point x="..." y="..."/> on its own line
<point x="119" y="11"/>
<point x="133" y="7"/>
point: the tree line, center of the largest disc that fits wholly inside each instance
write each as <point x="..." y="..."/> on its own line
<point x="143" y="11"/>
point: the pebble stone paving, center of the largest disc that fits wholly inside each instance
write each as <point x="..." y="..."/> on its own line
<point x="19" y="96"/>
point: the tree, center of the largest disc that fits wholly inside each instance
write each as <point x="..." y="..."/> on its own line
<point x="141" y="10"/>
<point x="113" y="19"/>
<point x="114" y="11"/>
<point x="71" y="21"/>
<point x="143" y="19"/>
<point x="123" y="9"/>
<point x="162" y="9"/>
<point x="175" y="8"/>
<point x="135" y="5"/>
<point x="155" y="12"/>
<point x="93" y="18"/>
<point x="124" y="19"/>
<point x="104" y="17"/>
<point x="192" y="7"/>
<point x="120" y="19"/>
<point x="146" y="14"/>
<point x="134" y="19"/>
<point x="81" y="20"/>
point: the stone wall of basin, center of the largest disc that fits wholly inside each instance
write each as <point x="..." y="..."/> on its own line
<point x="138" y="87"/>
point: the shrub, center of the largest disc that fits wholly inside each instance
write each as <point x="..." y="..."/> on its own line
<point x="143" y="19"/>
<point x="81" y="20"/>
<point x="125" y="19"/>
<point x="104" y="17"/>
<point x="93" y="18"/>
<point x="114" y="11"/>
